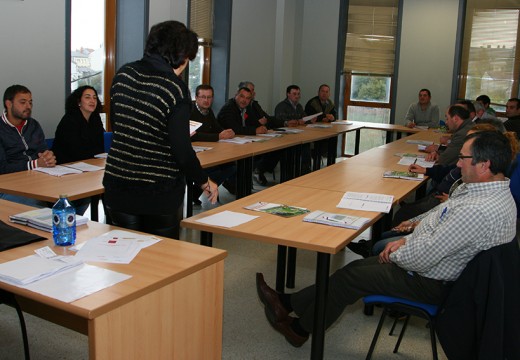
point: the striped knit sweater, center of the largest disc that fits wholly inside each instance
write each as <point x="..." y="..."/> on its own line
<point x="148" y="102"/>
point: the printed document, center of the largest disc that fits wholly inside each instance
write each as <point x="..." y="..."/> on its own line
<point x="366" y="202"/>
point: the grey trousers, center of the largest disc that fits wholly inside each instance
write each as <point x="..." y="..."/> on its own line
<point x="366" y="277"/>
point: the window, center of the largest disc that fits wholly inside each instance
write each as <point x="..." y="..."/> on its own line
<point x="369" y="68"/>
<point x="87" y="44"/>
<point x="201" y="21"/>
<point x="490" y="56"/>
<point x="92" y="47"/>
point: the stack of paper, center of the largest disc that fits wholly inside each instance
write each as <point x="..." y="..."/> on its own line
<point x="341" y="122"/>
<point x="32" y="268"/>
<point x="339" y="220"/>
<point x="420" y="142"/>
<point x="41" y="219"/>
<point x="288" y="130"/>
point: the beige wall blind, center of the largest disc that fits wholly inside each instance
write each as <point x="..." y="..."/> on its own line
<point x="371" y="32"/>
<point x="201" y="18"/>
<point x="490" y="55"/>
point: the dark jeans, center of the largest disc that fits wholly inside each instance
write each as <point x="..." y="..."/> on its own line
<point x="366" y="277"/>
<point x="166" y="225"/>
<point x="221" y="173"/>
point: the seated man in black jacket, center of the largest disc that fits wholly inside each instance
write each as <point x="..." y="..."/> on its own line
<point x="210" y="130"/>
<point x="22" y="142"/>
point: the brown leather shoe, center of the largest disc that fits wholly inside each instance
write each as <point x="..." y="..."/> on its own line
<point x="284" y="328"/>
<point x="274" y="309"/>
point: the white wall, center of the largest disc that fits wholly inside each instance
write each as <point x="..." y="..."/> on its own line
<point x="319" y="47"/>
<point x="162" y="10"/>
<point x="252" y="47"/>
<point x="429" y="30"/>
<point x="32" y="34"/>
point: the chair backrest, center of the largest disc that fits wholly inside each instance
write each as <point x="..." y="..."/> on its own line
<point x="107" y="138"/>
<point x="479" y="319"/>
<point x="49" y="142"/>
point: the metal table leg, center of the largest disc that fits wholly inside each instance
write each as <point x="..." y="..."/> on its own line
<point x="322" y="288"/>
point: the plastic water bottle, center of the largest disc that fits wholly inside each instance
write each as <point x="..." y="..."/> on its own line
<point x="63" y="222"/>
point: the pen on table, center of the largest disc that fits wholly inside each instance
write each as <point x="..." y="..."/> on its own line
<point x="415" y="161"/>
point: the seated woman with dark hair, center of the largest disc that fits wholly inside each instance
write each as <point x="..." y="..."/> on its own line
<point x="79" y="134"/>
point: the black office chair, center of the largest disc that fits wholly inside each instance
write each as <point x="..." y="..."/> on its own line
<point x="9" y="299"/>
<point x="406" y="307"/>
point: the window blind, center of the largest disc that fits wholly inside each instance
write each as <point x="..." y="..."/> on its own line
<point x="370" y="45"/>
<point x="201" y="18"/>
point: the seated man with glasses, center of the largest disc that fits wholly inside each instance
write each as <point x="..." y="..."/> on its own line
<point x="421" y="266"/>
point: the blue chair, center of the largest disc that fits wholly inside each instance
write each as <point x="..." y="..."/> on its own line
<point x="49" y="142"/>
<point x="407" y="307"/>
<point x="107" y="139"/>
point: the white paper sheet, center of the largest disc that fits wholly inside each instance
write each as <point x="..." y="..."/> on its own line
<point x="227" y="219"/>
<point x="201" y="148"/>
<point x="237" y="140"/>
<point x="77" y="283"/>
<point x="407" y="160"/>
<point x="58" y="170"/>
<point x="366" y="202"/>
<point x="84" y="166"/>
<point x="117" y="246"/>
<point x="310" y="117"/>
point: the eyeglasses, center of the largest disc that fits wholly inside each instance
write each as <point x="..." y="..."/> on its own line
<point x="205" y="97"/>
<point x="462" y="157"/>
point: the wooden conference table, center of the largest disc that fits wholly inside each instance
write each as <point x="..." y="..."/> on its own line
<point x="320" y="190"/>
<point x="171" y="307"/>
<point x="41" y="186"/>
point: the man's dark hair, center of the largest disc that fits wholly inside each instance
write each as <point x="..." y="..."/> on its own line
<point x="492" y="146"/>
<point x="173" y="42"/>
<point x="12" y="90"/>
<point x="72" y="102"/>
<point x="244" y="84"/>
<point x="204" y="87"/>
<point x="246" y="89"/>
<point x="517" y="100"/>
<point x="292" y="87"/>
<point x="323" y="85"/>
<point x="468" y="105"/>
<point x="484" y="99"/>
<point x="458" y="110"/>
<point x="428" y="91"/>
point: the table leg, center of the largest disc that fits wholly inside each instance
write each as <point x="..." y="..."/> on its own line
<point x="189" y="198"/>
<point x="389" y="136"/>
<point x="244" y="177"/>
<point x="206" y="238"/>
<point x="358" y="139"/>
<point x="280" y="268"/>
<point x="94" y="203"/>
<point x="332" y="151"/>
<point x="322" y="288"/>
<point x="291" y="267"/>
<point x="316" y="157"/>
<point x="284" y="165"/>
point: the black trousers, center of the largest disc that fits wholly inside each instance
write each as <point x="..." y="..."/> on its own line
<point x="167" y="225"/>
<point x="366" y="277"/>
